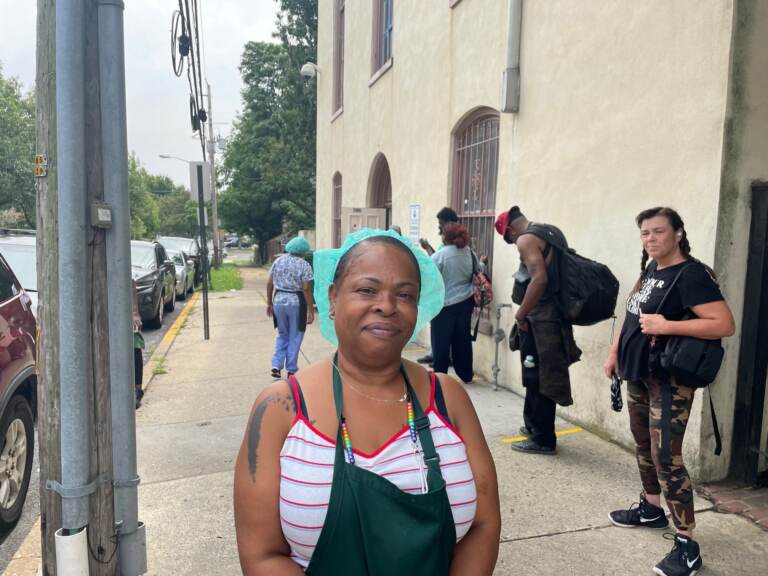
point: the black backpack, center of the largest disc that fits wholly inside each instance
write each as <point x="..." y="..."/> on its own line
<point x="586" y="290"/>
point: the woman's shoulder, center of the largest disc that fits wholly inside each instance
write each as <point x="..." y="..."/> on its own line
<point x="698" y="272"/>
<point x="457" y="400"/>
<point x="275" y="407"/>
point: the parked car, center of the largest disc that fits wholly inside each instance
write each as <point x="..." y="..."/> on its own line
<point x="19" y="248"/>
<point x="191" y="249"/>
<point x="185" y="274"/>
<point x="155" y="277"/>
<point x="18" y="396"/>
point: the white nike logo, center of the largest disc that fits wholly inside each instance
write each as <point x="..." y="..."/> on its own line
<point x="644" y="520"/>
<point x="692" y="562"/>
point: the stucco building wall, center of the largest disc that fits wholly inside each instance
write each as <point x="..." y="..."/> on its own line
<point x="622" y="107"/>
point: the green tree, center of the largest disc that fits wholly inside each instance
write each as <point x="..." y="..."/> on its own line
<point x="159" y="207"/>
<point x="145" y="211"/>
<point x="269" y="161"/>
<point x="17" y="150"/>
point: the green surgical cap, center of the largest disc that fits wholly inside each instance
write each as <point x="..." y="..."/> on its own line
<point x="325" y="262"/>
<point x="297" y="245"/>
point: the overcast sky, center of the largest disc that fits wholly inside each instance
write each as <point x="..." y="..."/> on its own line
<point x="158" y="102"/>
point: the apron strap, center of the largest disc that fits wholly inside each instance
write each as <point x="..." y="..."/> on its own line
<point x="434" y="476"/>
<point x="435" y="479"/>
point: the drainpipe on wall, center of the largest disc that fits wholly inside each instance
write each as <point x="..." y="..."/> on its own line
<point x="510" y="82"/>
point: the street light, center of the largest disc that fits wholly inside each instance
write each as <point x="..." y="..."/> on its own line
<point x="171" y="157"/>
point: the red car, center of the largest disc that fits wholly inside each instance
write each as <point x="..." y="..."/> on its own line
<point x="18" y="395"/>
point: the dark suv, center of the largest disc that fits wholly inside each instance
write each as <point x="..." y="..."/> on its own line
<point x="18" y="396"/>
<point x="155" y="277"/>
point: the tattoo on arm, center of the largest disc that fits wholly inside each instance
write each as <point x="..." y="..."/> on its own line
<point x="254" y="433"/>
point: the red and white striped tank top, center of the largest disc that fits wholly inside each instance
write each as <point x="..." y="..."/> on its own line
<point x="306" y="474"/>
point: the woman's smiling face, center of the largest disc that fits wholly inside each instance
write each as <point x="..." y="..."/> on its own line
<point x="375" y="301"/>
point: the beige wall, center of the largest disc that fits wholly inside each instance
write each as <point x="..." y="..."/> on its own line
<point x="622" y="107"/>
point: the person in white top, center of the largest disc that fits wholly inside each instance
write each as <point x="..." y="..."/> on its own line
<point x="365" y="463"/>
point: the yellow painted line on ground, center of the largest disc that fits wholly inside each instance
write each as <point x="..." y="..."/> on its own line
<point x="176" y="326"/>
<point x="515" y="439"/>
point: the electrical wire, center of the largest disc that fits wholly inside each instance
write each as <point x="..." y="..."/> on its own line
<point x="185" y="43"/>
<point x="203" y="44"/>
<point x="177" y="22"/>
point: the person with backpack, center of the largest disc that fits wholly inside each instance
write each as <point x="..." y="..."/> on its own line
<point x="670" y="288"/>
<point x="542" y="334"/>
<point x="445" y="216"/>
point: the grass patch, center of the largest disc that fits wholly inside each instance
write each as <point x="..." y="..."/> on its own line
<point x="159" y="367"/>
<point x="243" y="263"/>
<point x="226" y="278"/>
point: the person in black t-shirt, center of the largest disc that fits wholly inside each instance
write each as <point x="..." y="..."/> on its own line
<point x="632" y="357"/>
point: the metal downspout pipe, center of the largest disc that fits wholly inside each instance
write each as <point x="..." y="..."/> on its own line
<point x="510" y="83"/>
<point x="132" y="557"/>
<point x="71" y="541"/>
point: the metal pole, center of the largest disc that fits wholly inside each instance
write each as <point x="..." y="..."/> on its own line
<point x="132" y="554"/>
<point x="204" y="251"/>
<point x="74" y="308"/>
<point x="214" y="199"/>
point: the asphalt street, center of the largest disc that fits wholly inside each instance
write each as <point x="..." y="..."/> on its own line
<point x="9" y="543"/>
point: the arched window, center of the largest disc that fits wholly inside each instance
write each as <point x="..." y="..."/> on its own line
<point x="380" y="193"/>
<point x="475" y="170"/>
<point x="336" y="210"/>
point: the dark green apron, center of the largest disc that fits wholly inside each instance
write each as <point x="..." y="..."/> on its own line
<point x="375" y="529"/>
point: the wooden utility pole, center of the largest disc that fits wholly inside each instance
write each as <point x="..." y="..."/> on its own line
<point x="48" y="273"/>
<point x="102" y="539"/>
<point x="101" y="521"/>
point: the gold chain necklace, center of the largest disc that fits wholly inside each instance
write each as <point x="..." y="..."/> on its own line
<point x="400" y="400"/>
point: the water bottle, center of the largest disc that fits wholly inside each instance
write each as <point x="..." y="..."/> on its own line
<point x="529" y="362"/>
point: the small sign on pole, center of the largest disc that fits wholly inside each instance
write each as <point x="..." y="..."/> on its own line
<point x="193" y="180"/>
<point x="414" y="222"/>
<point x="41" y="166"/>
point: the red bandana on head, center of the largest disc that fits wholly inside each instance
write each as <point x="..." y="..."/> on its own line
<point x="502" y="223"/>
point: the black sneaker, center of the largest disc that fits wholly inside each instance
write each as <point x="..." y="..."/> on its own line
<point x="643" y="514"/>
<point x="532" y="447"/>
<point x="525" y="431"/>
<point x="427" y="359"/>
<point x="276" y="373"/>
<point x="683" y="560"/>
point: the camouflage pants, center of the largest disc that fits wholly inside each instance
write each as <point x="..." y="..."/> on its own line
<point x="644" y="400"/>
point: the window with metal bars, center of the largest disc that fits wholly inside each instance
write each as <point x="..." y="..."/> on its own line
<point x="475" y="170"/>
<point x="336" y="210"/>
<point x="338" y="54"/>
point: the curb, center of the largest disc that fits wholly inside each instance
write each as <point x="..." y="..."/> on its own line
<point x="28" y="558"/>
<point x="159" y="354"/>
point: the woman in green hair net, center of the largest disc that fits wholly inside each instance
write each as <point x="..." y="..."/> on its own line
<point x="290" y="304"/>
<point x="364" y="463"/>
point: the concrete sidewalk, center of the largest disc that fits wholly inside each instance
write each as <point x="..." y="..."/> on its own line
<point x="554" y="508"/>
